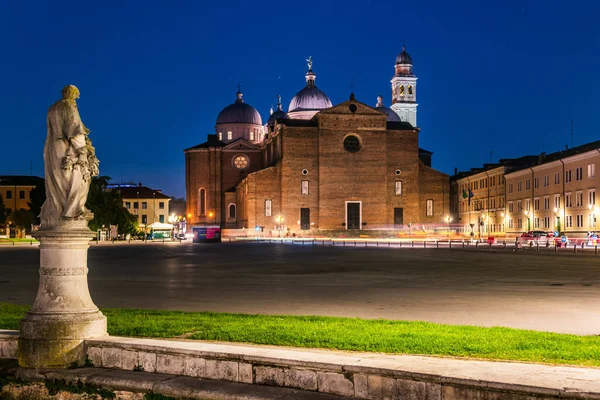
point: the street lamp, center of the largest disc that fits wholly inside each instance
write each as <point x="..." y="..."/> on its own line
<point x="279" y="220"/>
<point x="528" y="220"/>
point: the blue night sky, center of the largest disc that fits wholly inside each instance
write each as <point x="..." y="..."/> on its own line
<point x="502" y="76"/>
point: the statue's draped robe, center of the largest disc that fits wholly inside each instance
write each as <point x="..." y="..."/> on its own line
<point x="66" y="189"/>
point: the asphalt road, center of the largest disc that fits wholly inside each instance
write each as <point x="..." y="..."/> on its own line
<point x="540" y="291"/>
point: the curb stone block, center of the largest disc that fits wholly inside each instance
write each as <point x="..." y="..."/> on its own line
<point x="147" y="361"/>
<point x="130" y="360"/>
<point x="361" y="388"/>
<point x="111" y="358"/>
<point x="195" y="367"/>
<point x="300" y="378"/>
<point x="94" y="354"/>
<point x="374" y="387"/>
<point x="225" y="370"/>
<point x="331" y="382"/>
<point x="271" y="376"/>
<point x="245" y="373"/>
<point x="170" y="364"/>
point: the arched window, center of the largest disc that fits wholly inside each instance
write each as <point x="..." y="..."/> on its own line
<point x="232" y="211"/>
<point x="410" y="89"/>
<point x="402" y="90"/>
<point x="202" y="201"/>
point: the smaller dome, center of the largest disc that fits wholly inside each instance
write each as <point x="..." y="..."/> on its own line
<point x="239" y="113"/>
<point x="391" y="114"/>
<point x="278" y="114"/>
<point x="403" y="57"/>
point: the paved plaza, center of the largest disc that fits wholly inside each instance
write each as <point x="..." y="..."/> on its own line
<point x="540" y="291"/>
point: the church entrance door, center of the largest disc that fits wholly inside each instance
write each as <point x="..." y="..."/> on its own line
<point x="353" y="215"/>
<point x="305" y="218"/>
<point x="398" y="217"/>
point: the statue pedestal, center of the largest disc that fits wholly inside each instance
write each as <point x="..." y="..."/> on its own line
<point x="63" y="313"/>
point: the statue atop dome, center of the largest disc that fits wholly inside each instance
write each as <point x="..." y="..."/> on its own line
<point x="310" y="63"/>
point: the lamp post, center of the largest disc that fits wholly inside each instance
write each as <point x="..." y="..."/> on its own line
<point x="279" y="220"/>
<point x="528" y="220"/>
<point x="448" y="219"/>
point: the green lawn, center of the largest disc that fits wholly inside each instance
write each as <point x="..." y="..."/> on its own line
<point x="17" y="240"/>
<point x="398" y="337"/>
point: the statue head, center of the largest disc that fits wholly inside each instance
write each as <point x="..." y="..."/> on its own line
<point x="70" y="92"/>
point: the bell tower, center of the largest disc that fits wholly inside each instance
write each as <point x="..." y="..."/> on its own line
<point x="404" y="89"/>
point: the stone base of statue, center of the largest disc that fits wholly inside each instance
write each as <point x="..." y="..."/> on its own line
<point x="63" y="314"/>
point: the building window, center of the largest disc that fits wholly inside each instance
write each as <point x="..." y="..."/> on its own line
<point x="161" y="205"/>
<point x="410" y="89"/>
<point x="519" y="186"/>
<point x="578" y="173"/>
<point x="568" y="176"/>
<point x="251" y="135"/>
<point x="591" y="171"/>
<point x="128" y="205"/>
<point x="352" y="143"/>
<point x="229" y="135"/>
<point x="592" y="197"/>
<point x="232" y="211"/>
<point x="579" y="220"/>
<point x="546" y="203"/>
<point x="510" y="206"/>
<point x="202" y="202"/>
<point x="569" y="221"/>
<point x="510" y="223"/>
<point x="527" y="184"/>
<point x="268" y="204"/>
<point x="398" y="188"/>
<point x="9" y="194"/>
<point x="161" y="218"/>
<point x="556" y="178"/>
<point x="578" y="199"/>
<point x="144" y="205"/>
<point x="519" y="206"/>
<point x="240" y="162"/>
<point x="536" y="182"/>
<point x="401" y="90"/>
<point x="568" y="200"/>
<point x="528" y="204"/>
<point x="546" y="180"/>
<point x="536" y="222"/>
<point x="304" y="188"/>
<point x="220" y="135"/>
<point x="21" y="194"/>
<point x="556" y="201"/>
<point x="136" y="205"/>
<point x="144" y="219"/>
<point x="536" y="204"/>
<point x="519" y="223"/>
<point x="429" y="208"/>
<point x="510" y="188"/>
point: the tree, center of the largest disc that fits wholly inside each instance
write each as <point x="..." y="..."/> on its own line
<point x="22" y="220"/>
<point x="107" y="206"/>
<point x="2" y="211"/>
<point x="38" y="196"/>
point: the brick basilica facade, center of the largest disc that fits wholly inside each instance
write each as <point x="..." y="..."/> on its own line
<point x="318" y="166"/>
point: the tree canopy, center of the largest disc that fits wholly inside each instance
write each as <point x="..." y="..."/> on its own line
<point x="107" y="206"/>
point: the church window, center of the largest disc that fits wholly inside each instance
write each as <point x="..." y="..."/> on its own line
<point x="430" y="207"/>
<point x="398" y="188"/>
<point x="352" y="143"/>
<point x="232" y="211"/>
<point x="402" y="90"/>
<point x="410" y="89"/>
<point x="202" y="201"/>
<point x="251" y="135"/>
<point x="229" y="135"/>
<point x="268" y="205"/>
<point x="304" y="188"/>
<point x="240" y="162"/>
<point x="220" y="135"/>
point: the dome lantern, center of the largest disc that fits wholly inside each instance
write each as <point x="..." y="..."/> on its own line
<point x="310" y="100"/>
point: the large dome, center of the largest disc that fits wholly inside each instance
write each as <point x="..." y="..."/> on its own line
<point x="278" y="114"/>
<point x="391" y="114"/>
<point x="310" y="98"/>
<point x="239" y="113"/>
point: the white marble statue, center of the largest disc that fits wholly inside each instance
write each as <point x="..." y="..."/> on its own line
<point x="70" y="162"/>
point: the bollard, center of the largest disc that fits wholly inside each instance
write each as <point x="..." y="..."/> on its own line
<point x="13" y="243"/>
<point x="389" y="243"/>
<point x="31" y="244"/>
<point x="412" y="243"/>
<point x="490" y="245"/>
<point x="555" y="248"/>
<point x="355" y="243"/>
<point x="504" y="244"/>
<point x="477" y="245"/>
<point x="437" y="244"/>
<point x="343" y="241"/>
<point x="365" y="243"/>
<point x="575" y="248"/>
<point x="449" y="244"/>
<point x="463" y="243"/>
<point x="377" y="243"/>
<point x="424" y="244"/>
<point x="596" y="249"/>
<point x="538" y="247"/>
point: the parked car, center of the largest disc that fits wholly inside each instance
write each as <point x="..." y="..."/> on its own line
<point x="534" y="234"/>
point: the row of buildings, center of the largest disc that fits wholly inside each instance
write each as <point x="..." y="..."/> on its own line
<point x="547" y="192"/>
